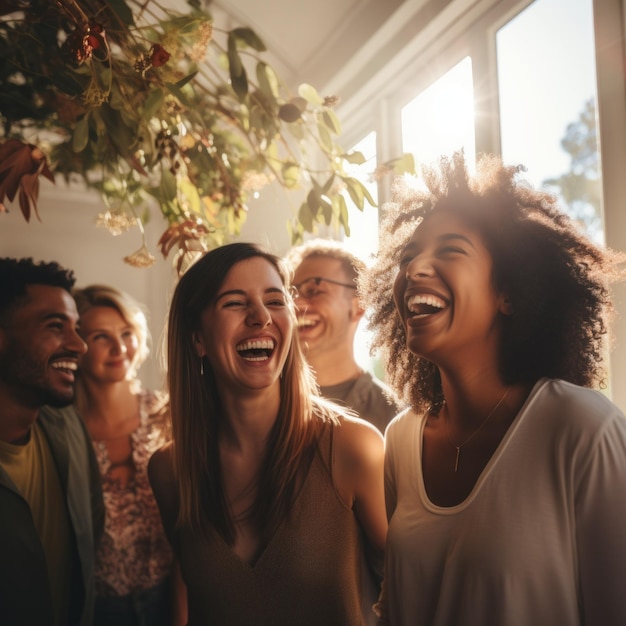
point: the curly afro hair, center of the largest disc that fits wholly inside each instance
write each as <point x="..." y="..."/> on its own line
<point x="556" y="279"/>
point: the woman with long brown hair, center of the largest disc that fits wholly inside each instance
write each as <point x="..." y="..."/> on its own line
<point x="270" y="496"/>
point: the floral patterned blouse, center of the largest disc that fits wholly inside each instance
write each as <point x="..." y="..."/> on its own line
<point x="134" y="553"/>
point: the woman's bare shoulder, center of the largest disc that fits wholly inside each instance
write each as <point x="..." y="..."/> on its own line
<point x="358" y="440"/>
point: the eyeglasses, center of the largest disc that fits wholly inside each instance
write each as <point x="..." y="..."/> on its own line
<point x="310" y="288"/>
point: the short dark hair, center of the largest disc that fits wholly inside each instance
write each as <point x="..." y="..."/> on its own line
<point x="556" y="279"/>
<point x="17" y="274"/>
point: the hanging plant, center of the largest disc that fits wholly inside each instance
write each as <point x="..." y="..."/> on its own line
<point x="155" y="107"/>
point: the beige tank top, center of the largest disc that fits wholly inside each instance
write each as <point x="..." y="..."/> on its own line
<point x="307" y="574"/>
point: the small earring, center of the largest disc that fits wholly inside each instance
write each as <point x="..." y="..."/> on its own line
<point x="201" y="366"/>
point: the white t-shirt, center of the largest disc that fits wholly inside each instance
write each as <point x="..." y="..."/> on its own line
<point x="541" y="539"/>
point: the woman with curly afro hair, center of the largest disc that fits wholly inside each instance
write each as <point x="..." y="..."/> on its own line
<point x="505" y="480"/>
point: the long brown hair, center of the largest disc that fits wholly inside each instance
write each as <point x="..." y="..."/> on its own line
<point x="196" y="414"/>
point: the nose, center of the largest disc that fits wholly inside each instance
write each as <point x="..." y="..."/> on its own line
<point x="119" y="347"/>
<point x="75" y="343"/>
<point x="419" y="267"/>
<point x="258" y="315"/>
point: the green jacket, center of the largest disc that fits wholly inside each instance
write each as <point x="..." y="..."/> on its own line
<point x="24" y="588"/>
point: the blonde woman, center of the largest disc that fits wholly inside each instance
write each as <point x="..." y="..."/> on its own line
<point x="127" y="424"/>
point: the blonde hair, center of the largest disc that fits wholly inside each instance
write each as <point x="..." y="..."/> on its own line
<point x="133" y="313"/>
<point x="352" y="265"/>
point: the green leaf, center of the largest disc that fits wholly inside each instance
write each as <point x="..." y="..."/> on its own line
<point x="355" y="189"/>
<point x="328" y="184"/>
<point x="313" y="201"/>
<point x="342" y="208"/>
<point x="332" y="121"/>
<point x="404" y="164"/>
<point x="153" y="103"/>
<point x="355" y="157"/>
<point x="183" y="81"/>
<point x="305" y="217"/>
<point x="190" y="192"/>
<point x="327" y="209"/>
<point x="250" y="38"/>
<point x="289" y="113"/>
<point x="236" y="70"/>
<point x="240" y="84"/>
<point x="80" y="136"/>
<point x="268" y="83"/>
<point x="122" y="10"/>
<point x="309" y="93"/>
<point x="358" y="192"/>
<point x="235" y="67"/>
<point x="290" y="173"/>
<point x="325" y="138"/>
<point x="179" y="94"/>
<point x="168" y="185"/>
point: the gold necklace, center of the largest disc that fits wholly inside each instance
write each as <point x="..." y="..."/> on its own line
<point x="458" y="448"/>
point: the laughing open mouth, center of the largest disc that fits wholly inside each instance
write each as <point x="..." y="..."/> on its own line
<point x="66" y="366"/>
<point x="256" y="349"/>
<point x="422" y="305"/>
<point x="306" y="322"/>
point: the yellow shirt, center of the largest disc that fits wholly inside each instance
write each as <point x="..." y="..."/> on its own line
<point x="32" y="469"/>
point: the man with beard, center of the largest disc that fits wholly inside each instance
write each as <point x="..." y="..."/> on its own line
<point x="51" y="508"/>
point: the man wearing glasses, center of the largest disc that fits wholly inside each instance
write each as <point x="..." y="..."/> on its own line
<point x="329" y="313"/>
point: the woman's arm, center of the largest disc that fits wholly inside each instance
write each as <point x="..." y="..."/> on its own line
<point x="359" y="476"/>
<point x="600" y="509"/>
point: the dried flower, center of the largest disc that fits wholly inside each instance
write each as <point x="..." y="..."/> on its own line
<point x="254" y="181"/>
<point x="77" y="47"/>
<point x="187" y="235"/>
<point x="142" y="258"/>
<point x="94" y="95"/>
<point x="331" y="101"/>
<point x="159" y="55"/>
<point x="116" y="223"/>
<point x="200" y="47"/>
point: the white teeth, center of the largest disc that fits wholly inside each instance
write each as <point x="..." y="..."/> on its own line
<point x="305" y="322"/>
<point x="65" y="365"/>
<point x="430" y="300"/>
<point x="256" y="344"/>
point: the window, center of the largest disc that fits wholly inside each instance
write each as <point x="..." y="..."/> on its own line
<point x="547" y="95"/>
<point x="440" y="120"/>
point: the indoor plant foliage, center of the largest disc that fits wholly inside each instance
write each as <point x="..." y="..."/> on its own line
<point x="143" y="102"/>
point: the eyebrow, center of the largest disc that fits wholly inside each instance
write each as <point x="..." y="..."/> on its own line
<point x="55" y="315"/>
<point x="241" y="292"/>
<point x="450" y="236"/>
<point x="442" y="239"/>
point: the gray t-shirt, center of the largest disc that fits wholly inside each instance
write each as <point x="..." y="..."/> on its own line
<point x="365" y="395"/>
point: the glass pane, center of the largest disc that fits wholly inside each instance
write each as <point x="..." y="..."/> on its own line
<point x="441" y="119"/>
<point x="546" y="74"/>
<point x="363" y="239"/>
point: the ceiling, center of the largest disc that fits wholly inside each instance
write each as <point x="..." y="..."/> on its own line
<point x="309" y="41"/>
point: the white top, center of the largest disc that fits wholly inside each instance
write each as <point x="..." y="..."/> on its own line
<point x="540" y="540"/>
